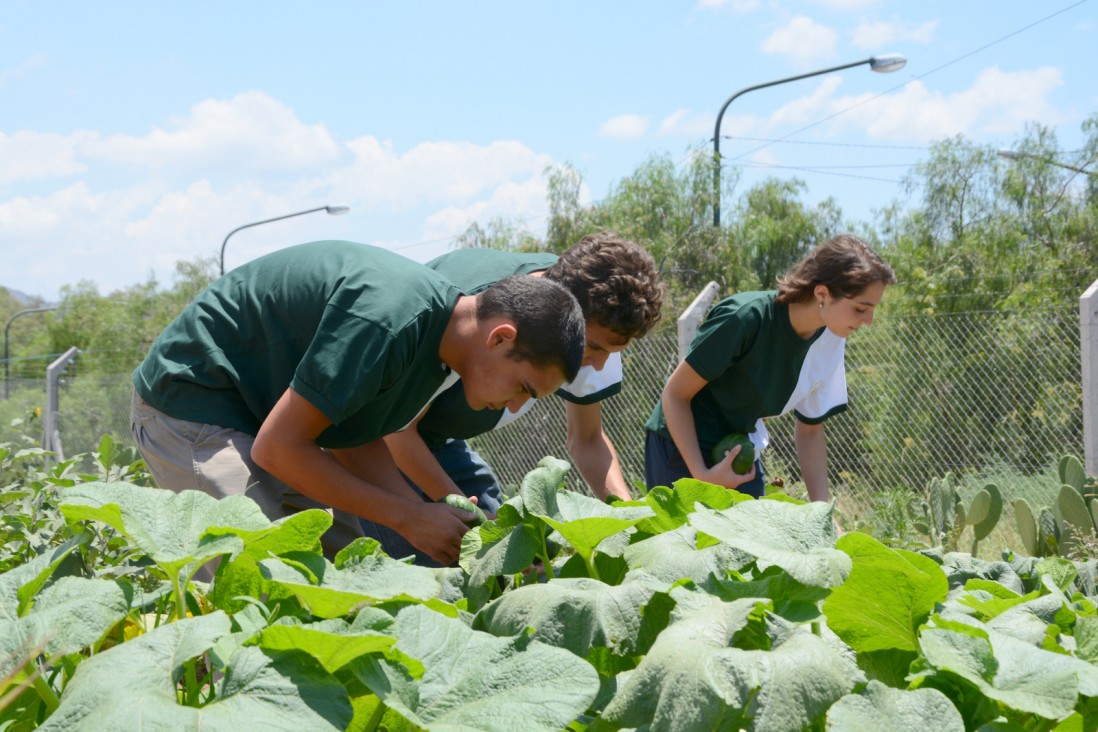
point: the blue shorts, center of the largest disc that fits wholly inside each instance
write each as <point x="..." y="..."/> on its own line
<point x="663" y="465"/>
<point x="472" y="475"/>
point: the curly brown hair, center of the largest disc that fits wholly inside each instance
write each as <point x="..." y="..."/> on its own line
<point x="845" y="264"/>
<point x="615" y="281"/>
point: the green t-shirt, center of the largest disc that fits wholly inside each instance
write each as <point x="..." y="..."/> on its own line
<point x="757" y="367"/>
<point x="473" y="271"/>
<point x="352" y="328"/>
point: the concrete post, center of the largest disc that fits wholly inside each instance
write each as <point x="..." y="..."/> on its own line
<point x="51" y="431"/>
<point x="692" y="317"/>
<point x="1088" y="342"/>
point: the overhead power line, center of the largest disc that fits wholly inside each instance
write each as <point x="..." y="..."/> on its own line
<point x="918" y="77"/>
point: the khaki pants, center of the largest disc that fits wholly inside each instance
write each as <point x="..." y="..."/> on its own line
<point x="184" y="455"/>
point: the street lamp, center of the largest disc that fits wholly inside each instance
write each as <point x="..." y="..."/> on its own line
<point x="1015" y="155"/>
<point x="333" y="210"/>
<point x="7" y="328"/>
<point x="883" y="64"/>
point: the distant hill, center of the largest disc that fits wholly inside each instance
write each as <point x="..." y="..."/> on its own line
<point x="20" y="297"/>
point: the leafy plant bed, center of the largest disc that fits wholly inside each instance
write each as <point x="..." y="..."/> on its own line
<point x="693" y="609"/>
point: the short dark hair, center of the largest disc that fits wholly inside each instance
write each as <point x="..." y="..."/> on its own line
<point x="548" y="319"/>
<point x="845" y="264"/>
<point x="615" y="281"/>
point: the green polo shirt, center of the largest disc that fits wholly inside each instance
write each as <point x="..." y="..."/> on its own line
<point x="450" y="416"/>
<point x="756" y="367"/>
<point x="352" y="328"/>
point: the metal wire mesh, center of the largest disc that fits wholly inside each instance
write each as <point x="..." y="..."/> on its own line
<point x="970" y="393"/>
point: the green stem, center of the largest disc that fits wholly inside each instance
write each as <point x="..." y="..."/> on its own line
<point x="592" y="570"/>
<point x="192" y="691"/>
<point x="180" y="600"/>
<point x="45" y="693"/>
<point x="375" y="718"/>
<point x="544" y="555"/>
<point x="816" y="629"/>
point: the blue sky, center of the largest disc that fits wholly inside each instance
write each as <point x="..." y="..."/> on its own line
<point x="136" y="134"/>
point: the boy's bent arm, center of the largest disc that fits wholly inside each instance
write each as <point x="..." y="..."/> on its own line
<point x="286" y="447"/>
<point x="416" y="460"/>
<point x="593" y="453"/>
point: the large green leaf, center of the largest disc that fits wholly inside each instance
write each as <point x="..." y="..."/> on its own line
<point x="695" y="678"/>
<point x="132" y="687"/>
<point x="540" y="486"/>
<point x="672" y="506"/>
<point x="333" y="643"/>
<point x="171" y="528"/>
<point x="798" y="538"/>
<point x="887" y="596"/>
<point x="63" y="614"/>
<point x="585" y="522"/>
<point x="793" y="600"/>
<point x="674" y="555"/>
<point x="475" y="682"/>
<point x="581" y="614"/>
<point x="241" y="578"/>
<point x="20" y="585"/>
<point x="1016" y="674"/>
<point x="506" y="545"/>
<point x="879" y="707"/>
<point x="331" y="591"/>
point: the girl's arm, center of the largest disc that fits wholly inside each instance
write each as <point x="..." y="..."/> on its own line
<point x="812" y="455"/>
<point x="681" y="388"/>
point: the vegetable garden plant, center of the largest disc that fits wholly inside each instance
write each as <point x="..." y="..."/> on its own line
<point x="692" y="609"/>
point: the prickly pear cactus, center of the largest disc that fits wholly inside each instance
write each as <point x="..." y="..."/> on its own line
<point x="984" y="512"/>
<point x="1026" y="520"/>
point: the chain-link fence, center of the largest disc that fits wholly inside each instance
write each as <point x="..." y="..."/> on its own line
<point x="992" y="395"/>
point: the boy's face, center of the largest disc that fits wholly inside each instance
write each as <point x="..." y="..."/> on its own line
<point x="600" y="343"/>
<point x="494" y="380"/>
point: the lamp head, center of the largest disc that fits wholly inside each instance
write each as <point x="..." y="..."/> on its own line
<point x="337" y="210"/>
<point x="888" y="62"/>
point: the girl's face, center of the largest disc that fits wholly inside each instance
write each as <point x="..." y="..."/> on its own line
<point x="844" y="315"/>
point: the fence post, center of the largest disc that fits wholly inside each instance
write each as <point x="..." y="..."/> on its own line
<point x="1088" y="342"/>
<point x="691" y="317"/>
<point x="51" y="433"/>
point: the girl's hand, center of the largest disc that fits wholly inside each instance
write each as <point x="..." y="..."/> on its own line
<point x="722" y="473"/>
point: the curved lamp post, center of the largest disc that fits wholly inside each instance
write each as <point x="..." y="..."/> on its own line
<point x="882" y="64"/>
<point x="1015" y="155"/>
<point x="333" y="210"/>
<point x="7" y="328"/>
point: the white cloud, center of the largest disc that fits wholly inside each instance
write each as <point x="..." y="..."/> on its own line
<point x="736" y="6"/>
<point x="624" y="127"/>
<point x="433" y="172"/>
<point x="682" y="123"/>
<point x="997" y="103"/>
<point x="28" y="156"/>
<point x="802" y="39"/>
<point x="519" y="201"/>
<point x="24" y="67"/>
<point x="874" y="35"/>
<point x="115" y="224"/>
<point x="250" y="132"/>
<point x="846" y="4"/>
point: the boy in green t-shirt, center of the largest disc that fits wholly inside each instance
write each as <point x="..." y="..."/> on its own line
<point x="286" y="373"/>
<point x="618" y="287"/>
